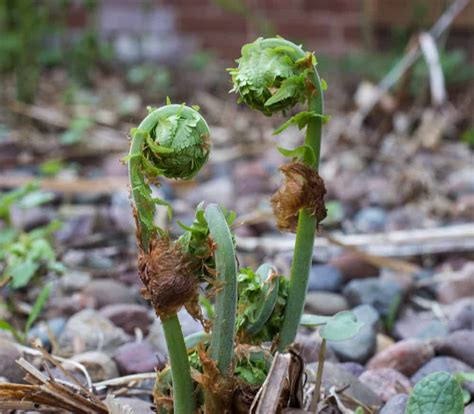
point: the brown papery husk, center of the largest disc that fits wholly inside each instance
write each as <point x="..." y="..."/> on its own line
<point x="169" y="277"/>
<point x="302" y="188"/>
<point x="217" y="390"/>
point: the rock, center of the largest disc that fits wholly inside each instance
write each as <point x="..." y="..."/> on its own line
<point x="370" y="220"/>
<point x="218" y="190"/>
<point x="128" y="317"/>
<point x="353" y="367"/>
<point x="74" y="280"/>
<point x="396" y="405"/>
<point x="99" y="365"/>
<point x="460" y="286"/>
<point x="156" y="337"/>
<point x="380" y="294"/>
<point x="325" y="277"/>
<point x="362" y="346"/>
<point x="421" y="325"/>
<point x="121" y="213"/>
<point x="29" y="218"/>
<point x="137" y="357"/>
<point x="444" y="363"/>
<point x="44" y="330"/>
<point x="406" y="356"/>
<point x="88" y="330"/>
<point x="462" y="317"/>
<point x="69" y="305"/>
<point x="9" y="369"/>
<point x="383" y="342"/>
<point x="352" y="266"/>
<point x="250" y="178"/>
<point x="460" y="182"/>
<point x="335" y="376"/>
<point x="137" y="406"/>
<point x="386" y="382"/>
<point x="469" y="409"/>
<point x="108" y="292"/>
<point x="58" y="374"/>
<point x="325" y="303"/>
<point x="459" y="345"/>
<point x="78" y="224"/>
<point x="188" y="324"/>
<point x="310" y="346"/>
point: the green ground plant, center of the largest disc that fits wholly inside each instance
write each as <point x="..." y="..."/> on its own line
<point x="26" y="256"/>
<point x="249" y="315"/>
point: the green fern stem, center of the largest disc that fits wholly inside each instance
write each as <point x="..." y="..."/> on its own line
<point x="266" y="65"/>
<point x="174" y="161"/>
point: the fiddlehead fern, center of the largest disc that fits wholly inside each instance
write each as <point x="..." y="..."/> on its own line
<point x="273" y="75"/>
<point x="172" y="141"/>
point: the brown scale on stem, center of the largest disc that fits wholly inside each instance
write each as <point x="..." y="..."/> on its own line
<point x="302" y="188"/>
<point x="169" y="277"/>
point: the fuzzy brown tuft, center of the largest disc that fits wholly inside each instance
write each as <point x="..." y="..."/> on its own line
<point x="303" y="188"/>
<point x="169" y="277"/>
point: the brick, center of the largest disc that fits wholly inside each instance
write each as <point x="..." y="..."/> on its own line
<point x="339" y="6"/>
<point x="300" y="27"/>
<point x="210" y="22"/>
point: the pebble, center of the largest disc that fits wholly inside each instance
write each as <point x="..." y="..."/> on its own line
<point x="188" y="325"/>
<point x="78" y="225"/>
<point x="386" y="382"/>
<point x="370" y="220"/>
<point x="462" y="316"/>
<point x="325" y="303"/>
<point x="137" y="357"/>
<point x="44" y="330"/>
<point x="310" y="346"/>
<point x="9" y="369"/>
<point x="336" y="376"/>
<point x="121" y="213"/>
<point x="461" y="286"/>
<point x="128" y="317"/>
<point x="459" y="344"/>
<point x="137" y="406"/>
<point x="406" y="356"/>
<point x="325" y="277"/>
<point x="74" y="280"/>
<point x="381" y="294"/>
<point x="469" y="409"/>
<point x="421" y="325"/>
<point x="218" y="190"/>
<point x="383" y="342"/>
<point x="99" y="365"/>
<point x="362" y="346"/>
<point x="109" y="291"/>
<point x="69" y="305"/>
<point x="353" y="367"/>
<point x="88" y="330"/>
<point x="29" y="218"/>
<point x="352" y="266"/>
<point x="444" y="363"/>
<point x="250" y="178"/>
<point x="460" y="182"/>
<point x="396" y="405"/>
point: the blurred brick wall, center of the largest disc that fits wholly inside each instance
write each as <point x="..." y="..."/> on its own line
<point x="159" y="29"/>
<point x="330" y="26"/>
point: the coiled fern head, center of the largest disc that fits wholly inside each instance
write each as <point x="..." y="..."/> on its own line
<point x="177" y="142"/>
<point x="271" y="75"/>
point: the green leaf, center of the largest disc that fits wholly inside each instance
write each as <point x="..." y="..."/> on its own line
<point x="6" y="326"/>
<point x="340" y="327"/>
<point x="22" y="273"/>
<point x="304" y="152"/>
<point x="301" y="119"/>
<point x="438" y="393"/>
<point x="38" y="307"/>
<point x="313" y="320"/>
